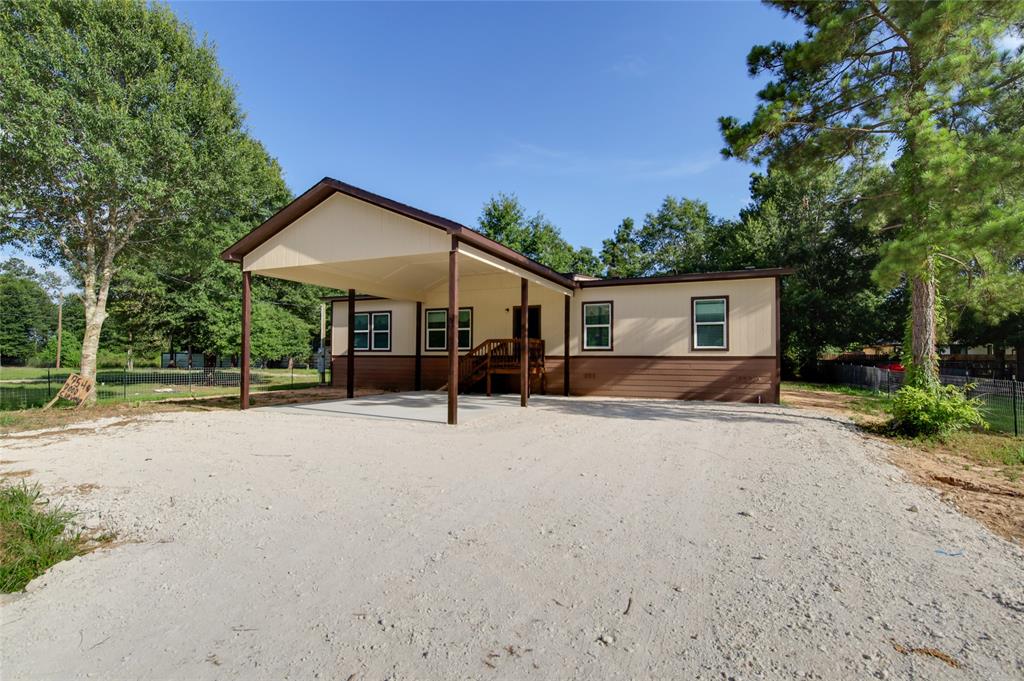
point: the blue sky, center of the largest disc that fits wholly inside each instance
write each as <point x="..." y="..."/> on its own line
<point x="588" y="112"/>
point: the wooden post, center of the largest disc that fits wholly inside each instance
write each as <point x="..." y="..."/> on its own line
<point x="777" y="388"/>
<point x="323" y="338"/>
<point x="565" y="347"/>
<point x="60" y="325"/>
<point x="350" y="369"/>
<point x="453" y="333"/>
<point x="246" y="328"/>
<point x="418" y="380"/>
<point x="524" y="343"/>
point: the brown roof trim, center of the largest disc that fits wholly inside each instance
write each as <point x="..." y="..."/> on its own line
<point x="694" y="276"/>
<point x="344" y="298"/>
<point x="326" y="187"/>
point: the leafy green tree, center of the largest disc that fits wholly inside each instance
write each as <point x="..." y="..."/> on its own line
<point x="622" y="255"/>
<point x="118" y="130"/>
<point x="504" y="220"/>
<point x="27" y="315"/>
<point x="277" y="333"/>
<point x="70" y="351"/>
<point x="683" y="236"/>
<point x="914" y="80"/>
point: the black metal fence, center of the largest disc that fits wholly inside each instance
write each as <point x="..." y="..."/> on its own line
<point x="147" y="384"/>
<point x="1002" y="400"/>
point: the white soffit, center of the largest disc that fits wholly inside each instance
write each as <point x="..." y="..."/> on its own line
<point x="500" y="264"/>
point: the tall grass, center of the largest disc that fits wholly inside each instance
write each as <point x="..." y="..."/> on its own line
<point x="33" y="536"/>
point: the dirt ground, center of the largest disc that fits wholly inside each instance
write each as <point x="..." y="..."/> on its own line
<point x="576" y="539"/>
<point x="981" y="491"/>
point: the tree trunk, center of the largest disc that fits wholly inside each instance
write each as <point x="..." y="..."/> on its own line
<point x="922" y="328"/>
<point x="999" y="370"/>
<point x="94" y="299"/>
<point x="91" y="343"/>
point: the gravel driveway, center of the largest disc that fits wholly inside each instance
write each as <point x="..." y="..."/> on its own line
<point x="583" y="539"/>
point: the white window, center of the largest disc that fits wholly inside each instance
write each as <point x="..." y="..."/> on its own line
<point x="373" y="331"/>
<point x="465" y="328"/>
<point x="597" y="326"/>
<point x="437" y="329"/>
<point x="710" y="323"/>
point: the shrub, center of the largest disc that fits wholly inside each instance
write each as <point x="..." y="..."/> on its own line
<point x="940" y="410"/>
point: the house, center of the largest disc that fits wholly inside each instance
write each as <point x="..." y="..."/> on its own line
<point x="519" y="324"/>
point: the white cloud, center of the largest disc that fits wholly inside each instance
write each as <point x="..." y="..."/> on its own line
<point x="545" y="160"/>
<point x="1010" y="41"/>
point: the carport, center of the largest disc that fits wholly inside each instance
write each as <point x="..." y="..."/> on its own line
<point x="339" y="236"/>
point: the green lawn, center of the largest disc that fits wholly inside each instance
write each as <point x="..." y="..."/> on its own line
<point x="26" y="373"/>
<point x="30" y="373"/>
<point x="147" y="385"/>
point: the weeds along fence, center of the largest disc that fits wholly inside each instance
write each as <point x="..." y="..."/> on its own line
<point x="1002" y="400"/>
<point x="124" y="385"/>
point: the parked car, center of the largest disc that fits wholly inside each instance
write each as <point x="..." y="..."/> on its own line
<point x="892" y="366"/>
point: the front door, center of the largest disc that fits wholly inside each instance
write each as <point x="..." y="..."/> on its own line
<point x="533" y="322"/>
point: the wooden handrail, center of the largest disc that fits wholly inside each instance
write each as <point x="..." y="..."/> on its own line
<point x="496" y="354"/>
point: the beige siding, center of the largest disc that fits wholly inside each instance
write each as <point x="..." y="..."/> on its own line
<point x="403" y="325"/>
<point x="492" y="298"/>
<point x="655" y="319"/>
<point x="344" y="229"/>
<point x="650" y="320"/>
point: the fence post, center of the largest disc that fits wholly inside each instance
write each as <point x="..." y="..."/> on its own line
<point x="1016" y="427"/>
<point x="49" y="388"/>
<point x="124" y="384"/>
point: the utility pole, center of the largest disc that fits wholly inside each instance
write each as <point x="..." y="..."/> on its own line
<point x="323" y="335"/>
<point x="60" y="324"/>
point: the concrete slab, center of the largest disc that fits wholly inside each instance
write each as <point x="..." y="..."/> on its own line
<point x="429" y="406"/>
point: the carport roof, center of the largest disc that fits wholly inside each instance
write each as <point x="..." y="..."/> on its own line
<point x="327" y="187"/>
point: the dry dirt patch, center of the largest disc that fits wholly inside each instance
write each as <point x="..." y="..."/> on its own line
<point x="958" y="468"/>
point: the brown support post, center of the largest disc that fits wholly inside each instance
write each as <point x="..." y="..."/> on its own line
<point x="453" y="333"/>
<point x="524" y="343"/>
<point x="246" y="326"/>
<point x="350" y="369"/>
<point x="777" y="388"/>
<point x="418" y="380"/>
<point x="565" y="348"/>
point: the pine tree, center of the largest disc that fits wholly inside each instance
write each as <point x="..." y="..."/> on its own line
<point x="914" y="82"/>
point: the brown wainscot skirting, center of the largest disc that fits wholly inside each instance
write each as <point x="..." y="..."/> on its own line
<point x="729" y="379"/>
<point x="723" y="378"/>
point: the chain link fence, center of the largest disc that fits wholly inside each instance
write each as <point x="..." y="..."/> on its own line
<point x="124" y="385"/>
<point x="1002" y="400"/>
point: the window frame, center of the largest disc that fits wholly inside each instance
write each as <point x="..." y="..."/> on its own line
<point x="426" y="329"/>
<point x="370" y="315"/>
<point x="584" y="326"/>
<point x="694" y="324"/>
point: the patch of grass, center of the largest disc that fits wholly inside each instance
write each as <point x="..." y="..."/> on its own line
<point x="830" y="388"/>
<point x="992" y="450"/>
<point x="34" y="535"/>
<point x="9" y="420"/>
